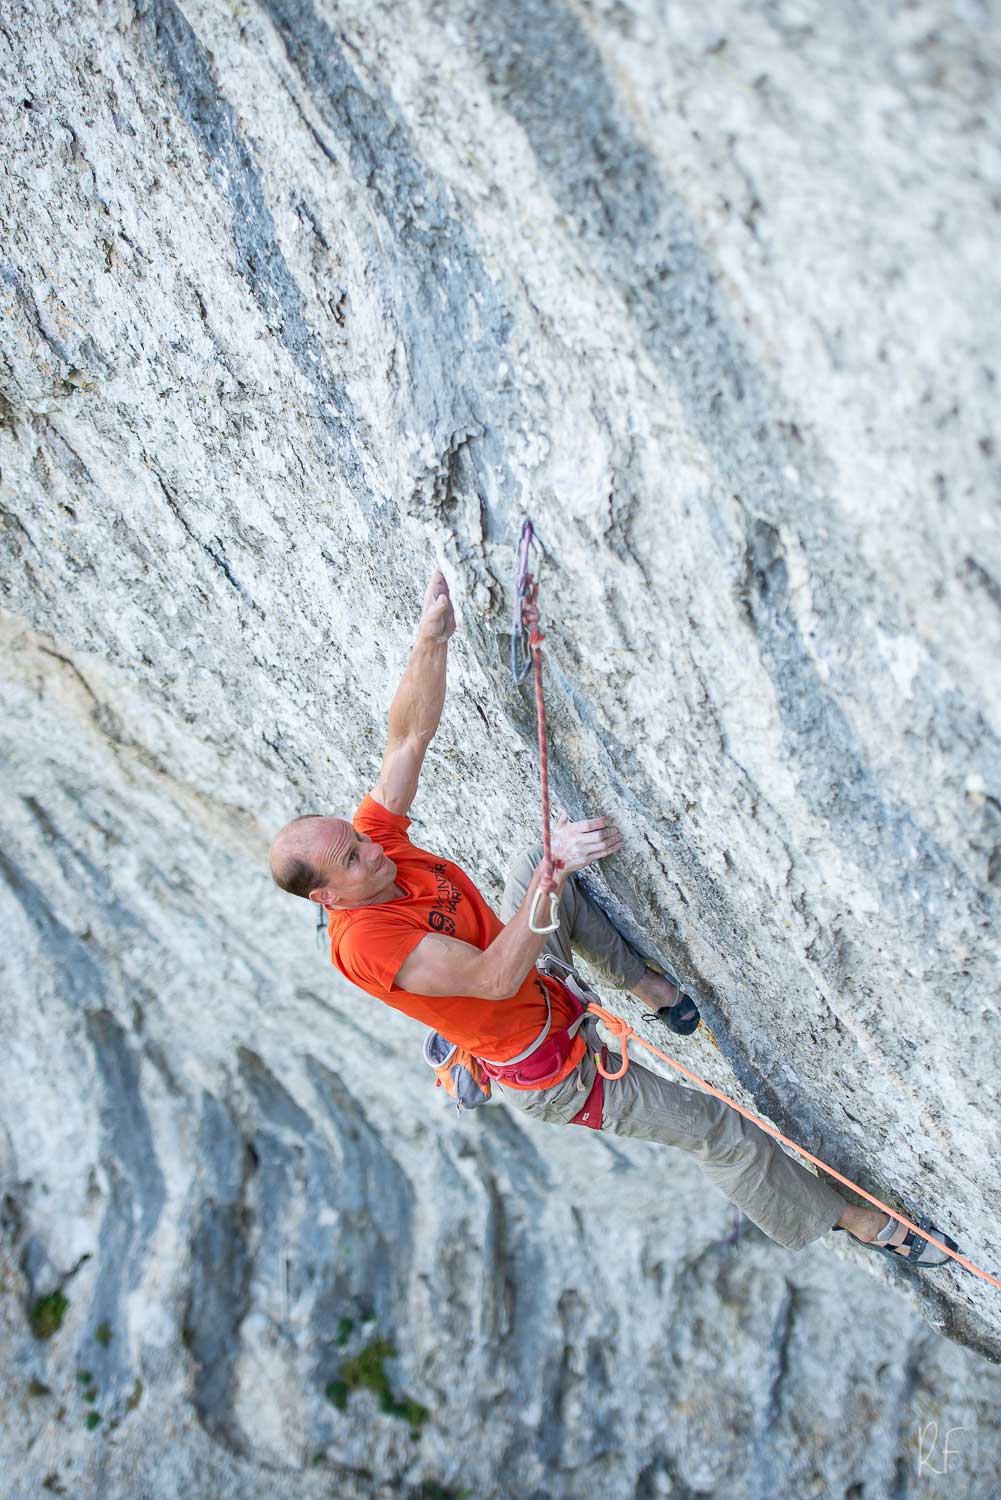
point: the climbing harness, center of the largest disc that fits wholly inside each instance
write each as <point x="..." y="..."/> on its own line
<point x="526" y="593"/>
<point x="526" y="651"/>
<point x="542" y="1063"/>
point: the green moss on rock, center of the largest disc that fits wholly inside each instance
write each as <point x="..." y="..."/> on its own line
<point x="410" y="1410"/>
<point x="337" y="1392"/>
<point x="367" y="1371"/>
<point x="47" y="1315"/>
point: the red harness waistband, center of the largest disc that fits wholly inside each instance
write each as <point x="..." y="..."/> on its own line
<point x="543" y="1064"/>
<point x="548" y="1058"/>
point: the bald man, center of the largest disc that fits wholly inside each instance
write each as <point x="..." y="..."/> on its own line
<point x="410" y="928"/>
<point x="338" y="864"/>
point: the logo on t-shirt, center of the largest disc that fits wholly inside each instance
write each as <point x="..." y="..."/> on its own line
<point x="439" y="922"/>
<point x="445" y="902"/>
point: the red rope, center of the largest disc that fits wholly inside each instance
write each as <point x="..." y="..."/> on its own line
<point x="535" y="639"/>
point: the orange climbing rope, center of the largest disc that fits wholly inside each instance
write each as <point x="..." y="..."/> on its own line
<point x="526" y="592"/>
<point x="621" y="1029"/>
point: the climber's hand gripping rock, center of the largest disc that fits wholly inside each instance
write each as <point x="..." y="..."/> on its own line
<point x="577" y="845"/>
<point x="437" y="617"/>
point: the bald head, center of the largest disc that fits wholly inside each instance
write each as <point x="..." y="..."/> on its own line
<point x="327" y="860"/>
<point x="295" y="854"/>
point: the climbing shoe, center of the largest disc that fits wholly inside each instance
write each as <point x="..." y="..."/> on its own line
<point x="683" y="1016"/>
<point x="913" y="1249"/>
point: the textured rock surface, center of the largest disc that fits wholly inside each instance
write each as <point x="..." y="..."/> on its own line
<point x="298" y="299"/>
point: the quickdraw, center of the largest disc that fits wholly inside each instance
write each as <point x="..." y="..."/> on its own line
<point x="525" y="591"/>
<point x="526" y="654"/>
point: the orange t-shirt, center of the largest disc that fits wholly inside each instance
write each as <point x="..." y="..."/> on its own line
<point x="369" y="944"/>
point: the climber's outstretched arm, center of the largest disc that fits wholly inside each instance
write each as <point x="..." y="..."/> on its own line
<point x="415" y="712"/>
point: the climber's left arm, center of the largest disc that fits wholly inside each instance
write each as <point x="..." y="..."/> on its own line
<point x="415" y="711"/>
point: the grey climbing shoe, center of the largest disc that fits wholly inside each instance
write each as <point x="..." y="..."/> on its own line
<point x="913" y="1249"/>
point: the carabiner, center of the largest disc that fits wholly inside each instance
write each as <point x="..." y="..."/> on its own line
<point x="554" y="912"/>
<point x="521" y="651"/>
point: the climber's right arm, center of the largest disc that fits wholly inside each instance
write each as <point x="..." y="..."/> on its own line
<point x="445" y="966"/>
<point x="441" y="965"/>
<point x="415" y="712"/>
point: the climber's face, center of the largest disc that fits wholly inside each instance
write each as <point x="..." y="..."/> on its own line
<point x="354" y="870"/>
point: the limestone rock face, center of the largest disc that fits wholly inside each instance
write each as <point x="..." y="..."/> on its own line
<point x="299" y="300"/>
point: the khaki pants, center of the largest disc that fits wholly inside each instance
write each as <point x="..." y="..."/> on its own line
<point x="776" y="1191"/>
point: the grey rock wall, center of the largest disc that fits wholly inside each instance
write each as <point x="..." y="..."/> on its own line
<point x="297" y="301"/>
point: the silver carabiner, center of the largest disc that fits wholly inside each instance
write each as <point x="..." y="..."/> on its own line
<point x="547" y="961"/>
<point x="554" y="912"/>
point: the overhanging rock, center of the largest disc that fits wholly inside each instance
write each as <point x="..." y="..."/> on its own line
<point x="299" y="300"/>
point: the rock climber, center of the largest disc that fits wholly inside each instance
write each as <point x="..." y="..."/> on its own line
<point x="410" y="928"/>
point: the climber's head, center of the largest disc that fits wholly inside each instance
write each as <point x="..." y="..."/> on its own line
<point x="328" y="861"/>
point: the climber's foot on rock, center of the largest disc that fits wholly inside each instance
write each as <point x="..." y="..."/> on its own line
<point x="668" y="1001"/>
<point x="873" y="1227"/>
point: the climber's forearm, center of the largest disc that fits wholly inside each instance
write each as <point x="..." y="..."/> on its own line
<point x="415" y="711"/>
<point x="511" y="956"/>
